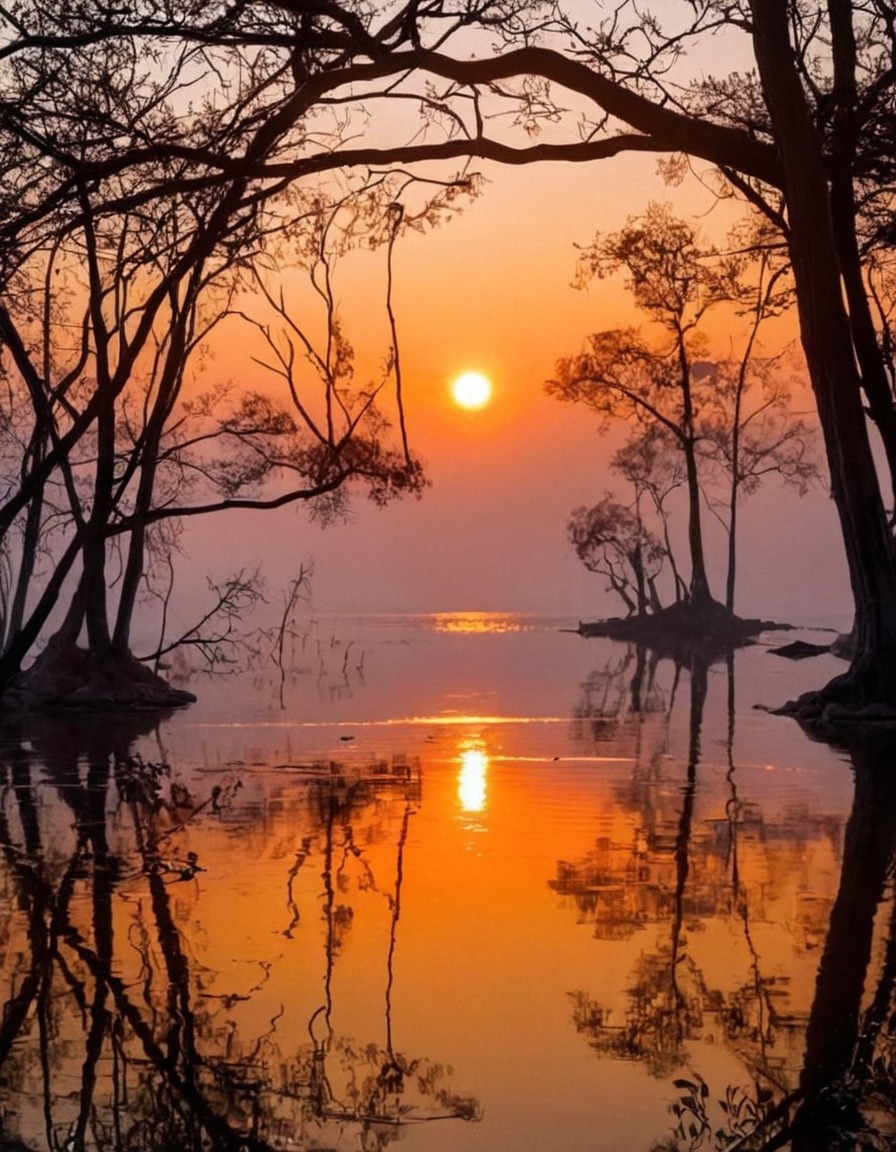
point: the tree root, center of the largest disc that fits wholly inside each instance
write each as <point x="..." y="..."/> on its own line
<point x="67" y="677"/>
<point x="682" y="631"/>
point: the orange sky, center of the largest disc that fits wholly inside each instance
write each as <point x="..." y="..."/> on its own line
<point x="491" y="291"/>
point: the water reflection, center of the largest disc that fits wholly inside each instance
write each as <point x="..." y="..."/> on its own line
<point x="843" y="1095"/>
<point x="280" y="950"/>
<point x="471" y="780"/>
<point x="479" y="623"/>
<point x="818" y="1078"/>
<point x="122" y="1030"/>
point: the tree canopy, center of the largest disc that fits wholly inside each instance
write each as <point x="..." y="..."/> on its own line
<point x="723" y="418"/>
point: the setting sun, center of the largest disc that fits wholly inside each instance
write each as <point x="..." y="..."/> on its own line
<point x="471" y="390"/>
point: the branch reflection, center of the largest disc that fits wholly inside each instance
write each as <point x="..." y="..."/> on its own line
<point x="819" y="1077"/>
<point x="114" y="1034"/>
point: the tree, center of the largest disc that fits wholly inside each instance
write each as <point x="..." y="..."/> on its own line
<point x="151" y="457"/>
<point x="316" y="431"/>
<point x="143" y="263"/>
<point x="751" y="433"/>
<point x="612" y="541"/>
<point x="620" y="376"/>
<point x="650" y="462"/>
<point x="820" y="235"/>
<point x="705" y="411"/>
<point x="812" y="124"/>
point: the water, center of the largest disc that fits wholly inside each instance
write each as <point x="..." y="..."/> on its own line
<point x="467" y="881"/>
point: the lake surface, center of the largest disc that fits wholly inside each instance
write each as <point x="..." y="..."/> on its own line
<point x="462" y="881"/>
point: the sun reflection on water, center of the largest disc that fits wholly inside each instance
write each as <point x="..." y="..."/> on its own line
<point x="479" y="622"/>
<point x="471" y="780"/>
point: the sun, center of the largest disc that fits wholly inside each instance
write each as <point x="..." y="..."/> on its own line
<point x="471" y="390"/>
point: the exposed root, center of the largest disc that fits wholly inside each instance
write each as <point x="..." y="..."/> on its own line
<point x="856" y="708"/>
<point x="684" y="630"/>
<point x="65" y="676"/>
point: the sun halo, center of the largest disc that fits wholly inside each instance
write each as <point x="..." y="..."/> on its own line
<point x="471" y="390"/>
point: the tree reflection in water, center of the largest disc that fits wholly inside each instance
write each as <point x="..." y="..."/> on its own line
<point x="825" y="1079"/>
<point x="110" y="1038"/>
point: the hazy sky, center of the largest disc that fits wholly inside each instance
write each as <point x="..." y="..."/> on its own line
<point x="492" y="291"/>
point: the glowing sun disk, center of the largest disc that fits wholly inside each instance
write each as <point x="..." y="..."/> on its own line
<point x="471" y="390"/>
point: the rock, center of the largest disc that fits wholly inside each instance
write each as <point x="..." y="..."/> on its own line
<point x="800" y="650"/>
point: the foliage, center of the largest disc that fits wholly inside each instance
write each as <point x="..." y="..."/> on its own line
<point x="201" y="131"/>
<point x="683" y="404"/>
<point x="745" y="1116"/>
<point x="612" y="541"/>
<point x="135" y="231"/>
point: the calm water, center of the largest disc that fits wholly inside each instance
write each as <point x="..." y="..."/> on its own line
<point x="460" y="881"/>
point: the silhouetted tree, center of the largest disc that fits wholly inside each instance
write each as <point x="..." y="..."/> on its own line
<point x="704" y="410"/>
<point x="132" y="264"/>
<point x="620" y="376"/>
<point x="751" y="431"/>
<point x="806" y="138"/>
<point x="652" y="465"/>
<point x="612" y="541"/>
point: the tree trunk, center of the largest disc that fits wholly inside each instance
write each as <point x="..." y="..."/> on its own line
<point x="34" y="455"/>
<point x="169" y="387"/>
<point x="827" y="342"/>
<point x="93" y="591"/>
<point x="619" y="588"/>
<point x="734" y="496"/>
<point x="133" y="572"/>
<point x="680" y="586"/>
<point x="843" y="972"/>
<point x="30" y="543"/>
<point x="700" y="594"/>
<point x="874" y="375"/>
<point x="637" y="563"/>
<point x="19" y="645"/>
<point x="732" y="547"/>
<point x="844" y="137"/>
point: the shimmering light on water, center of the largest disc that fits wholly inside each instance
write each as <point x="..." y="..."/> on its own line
<point x="476" y="883"/>
<point x="478" y="622"/>
<point x="471" y="781"/>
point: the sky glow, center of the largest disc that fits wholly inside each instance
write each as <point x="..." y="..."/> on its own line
<point x="493" y="288"/>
